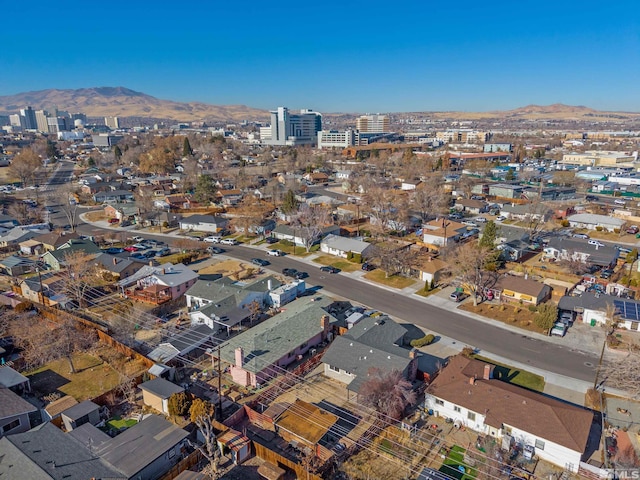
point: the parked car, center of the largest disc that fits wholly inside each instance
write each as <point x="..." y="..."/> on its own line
<point x="113" y="220"/>
<point x="456" y="296"/>
<point x="289" y="272"/>
<point x="131" y="248"/>
<point x="275" y="253"/>
<point x="301" y="275"/>
<point x="606" y="273"/>
<point x="596" y="243"/>
<point x="480" y="220"/>
<point x="114" y="250"/>
<point x="138" y="255"/>
<point x="329" y="269"/>
<point x="163" y="252"/>
<point x="367" y="267"/>
<point x="501" y="218"/>
<point x="138" y="239"/>
<point x="559" y="329"/>
<point x="580" y="235"/>
<point x="566" y="317"/>
<point x="259" y="261"/>
<point x="213" y="239"/>
<point x="150" y="253"/>
<point x="229" y="241"/>
<point x="214" y="250"/>
<point x="271" y="240"/>
<point x="633" y="229"/>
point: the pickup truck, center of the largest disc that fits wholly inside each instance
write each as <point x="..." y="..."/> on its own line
<point x="559" y="329"/>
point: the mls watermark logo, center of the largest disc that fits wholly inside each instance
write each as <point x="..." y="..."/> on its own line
<point x="622" y="473"/>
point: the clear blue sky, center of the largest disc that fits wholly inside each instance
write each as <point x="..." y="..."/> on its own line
<point x="332" y="56"/>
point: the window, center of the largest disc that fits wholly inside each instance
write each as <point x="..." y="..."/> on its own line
<point x="539" y="445"/>
<point x="304" y="345"/>
<point x="439" y="402"/>
<point x="456" y="409"/>
<point x="335" y="369"/>
<point x="172" y="453"/>
<point x="10" y="426"/>
<point x="471" y="416"/>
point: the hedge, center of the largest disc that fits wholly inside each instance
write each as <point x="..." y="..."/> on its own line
<point x="421" y="342"/>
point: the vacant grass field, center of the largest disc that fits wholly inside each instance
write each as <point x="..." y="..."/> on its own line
<point x="515" y="376"/>
<point x="395" y="281"/>
<point x="289" y="249"/>
<point x="93" y="377"/>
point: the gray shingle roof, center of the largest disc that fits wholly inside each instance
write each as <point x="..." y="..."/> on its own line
<point x="80" y="410"/>
<point x="160" y="387"/>
<point x="173" y="275"/>
<point x="138" y="446"/>
<point x="46" y="452"/>
<point x="345" y="244"/>
<point x="12" y="404"/>
<point x="107" y="262"/>
<point x="267" y="342"/>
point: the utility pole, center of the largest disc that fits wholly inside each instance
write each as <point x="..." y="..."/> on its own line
<point x="41" y="292"/>
<point x="219" y="409"/>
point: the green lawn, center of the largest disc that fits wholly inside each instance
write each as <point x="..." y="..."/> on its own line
<point x="288" y="249"/>
<point x="454" y="460"/>
<point x="515" y="376"/>
<point x="93" y="377"/>
<point x="395" y="281"/>
<point x="117" y="423"/>
<point x="341" y="263"/>
<point x="425" y="293"/>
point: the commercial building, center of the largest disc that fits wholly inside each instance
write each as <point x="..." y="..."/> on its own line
<point x="464" y="135"/>
<point x="42" y="124"/>
<point x="336" y="139"/>
<point x="294" y="129"/>
<point x="112" y="122"/>
<point x="373" y="123"/>
<point x="593" y="158"/>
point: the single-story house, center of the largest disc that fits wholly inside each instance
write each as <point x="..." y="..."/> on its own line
<point x="256" y="355"/>
<point x="83" y="412"/>
<point x="117" y="266"/>
<point x="31" y="247"/>
<point x="183" y="345"/>
<point x="16" y="265"/>
<point x="229" y="197"/>
<point x="19" y="234"/>
<point x="526" y="212"/>
<point x="156" y="393"/>
<point x="341" y="246"/>
<point x="16" y="414"/>
<point x="114" y="196"/>
<point x="441" y="231"/>
<point x="372" y="343"/>
<point x="13" y="380"/>
<point x="467" y="392"/>
<point x="204" y="223"/>
<point x="53" y="240"/>
<point x="562" y="248"/>
<point x="469" y="205"/>
<point x="592" y="309"/>
<point x="522" y="289"/>
<point x="430" y="269"/>
<point x="55" y="259"/>
<point x="287" y="232"/>
<point x="591" y="221"/>
<point x="316" y="177"/>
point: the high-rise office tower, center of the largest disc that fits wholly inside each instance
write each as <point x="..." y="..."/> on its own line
<point x="373" y="124"/>
<point x="29" y="118"/>
<point x="112" y="122"/>
<point x="42" y="122"/>
<point x="294" y="129"/>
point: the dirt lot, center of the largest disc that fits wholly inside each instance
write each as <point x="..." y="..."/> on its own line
<point x="511" y="314"/>
<point x="231" y="268"/>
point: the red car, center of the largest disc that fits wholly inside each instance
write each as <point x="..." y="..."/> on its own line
<point x="113" y="220"/>
<point x="131" y="248"/>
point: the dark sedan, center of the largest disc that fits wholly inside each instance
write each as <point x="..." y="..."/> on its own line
<point x="260" y="262"/>
<point x="330" y="269"/>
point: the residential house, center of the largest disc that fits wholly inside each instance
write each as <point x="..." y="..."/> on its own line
<point x="506" y="190"/>
<point x="83" y="412"/>
<point x="410" y="184"/>
<point x="16" y="414"/>
<point x="44" y="288"/>
<point x="15" y="265"/>
<point x="47" y="453"/>
<point x="191" y="343"/>
<point x="53" y="240"/>
<point x="441" y="232"/>
<point x="56" y="259"/>
<point x="520" y="289"/>
<point x="117" y="267"/>
<point x="114" y="196"/>
<point x="156" y="393"/>
<point x="122" y="212"/>
<point x="562" y="248"/>
<point x="372" y="343"/>
<point x="550" y="194"/>
<point x="471" y="206"/>
<point x="341" y="246"/>
<point x="223" y="304"/>
<point x="229" y="197"/>
<point x="19" y="234"/>
<point x="595" y="309"/>
<point x="316" y="177"/>
<point x="158" y="284"/>
<point x="528" y="212"/>
<point x="292" y="234"/>
<point x="430" y="269"/>
<point x="31" y="247"/>
<point x="204" y="223"/>
<point x="344" y="175"/>
<point x="178" y="202"/>
<point x="467" y="392"/>
<point x="591" y="221"/>
<point x="145" y="451"/>
<point x="53" y="411"/>
<point x="257" y="354"/>
<point x="8" y="222"/>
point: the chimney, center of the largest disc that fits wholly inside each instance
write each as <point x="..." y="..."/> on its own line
<point x="115" y="260"/>
<point x="413" y="353"/>
<point x="239" y="357"/>
<point x="162" y="272"/>
<point x="269" y="284"/>
<point x="151" y="263"/>
<point x="324" y="323"/>
<point x="472" y="380"/>
<point x="487" y="372"/>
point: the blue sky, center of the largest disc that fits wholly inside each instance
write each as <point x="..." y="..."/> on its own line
<point x="349" y="56"/>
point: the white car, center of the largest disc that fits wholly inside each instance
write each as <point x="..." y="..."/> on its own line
<point x="596" y="243"/>
<point x="500" y="218"/>
<point x="138" y="239"/>
<point x="275" y="253"/>
<point x="212" y="239"/>
<point x="229" y="241"/>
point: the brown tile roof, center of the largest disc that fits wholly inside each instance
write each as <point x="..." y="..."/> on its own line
<point x="520" y="285"/>
<point x="505" y="404"/>
<point x="431" y="266"/>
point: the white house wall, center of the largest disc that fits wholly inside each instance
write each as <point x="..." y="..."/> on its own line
<point x="450" y="410"/>
<point x="340" y="375"/>
<point x="551" y="452"/>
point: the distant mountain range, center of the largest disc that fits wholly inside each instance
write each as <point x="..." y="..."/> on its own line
<point x="124" y="102"/>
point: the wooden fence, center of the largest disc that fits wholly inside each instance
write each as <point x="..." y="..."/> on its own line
<point x="186" y="463"/>
<point x="268" y="455"/>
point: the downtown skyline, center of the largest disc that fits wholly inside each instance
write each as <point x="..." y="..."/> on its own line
<point x="359" y="57"/>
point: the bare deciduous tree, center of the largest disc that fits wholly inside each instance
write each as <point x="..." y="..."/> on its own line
<point x="25" y="165"/>
<point x="202" y="414"/>
<point x="309" y="223"/>
<point x="66" y="193"/>
<point x="80" y="274"/>
<point x="468" y="265"/>
<point x="387" y="392"/>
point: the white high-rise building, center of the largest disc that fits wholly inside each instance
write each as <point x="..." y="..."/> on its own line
<point x="112" y="122"/>
<point x="294" y="129"/>
<point x="336" y="139"/>
<point x="373" y="124"/>
<point x="29" y="118"/>
<point x="42" y="122"/>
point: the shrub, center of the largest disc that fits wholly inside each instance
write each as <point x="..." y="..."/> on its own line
<point x="315" y="248"/>
<point x="357" y="258"/>
<point x="421" y="342"/>
<point x="616" y="230"/>
<point x="532" y="308"/>
<point x="468" y="351"/>
<point x="598" y="228"/>
<point x="349" y="255"/>
<point x="565" y="223"/>
<point x="23" y="307"/>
